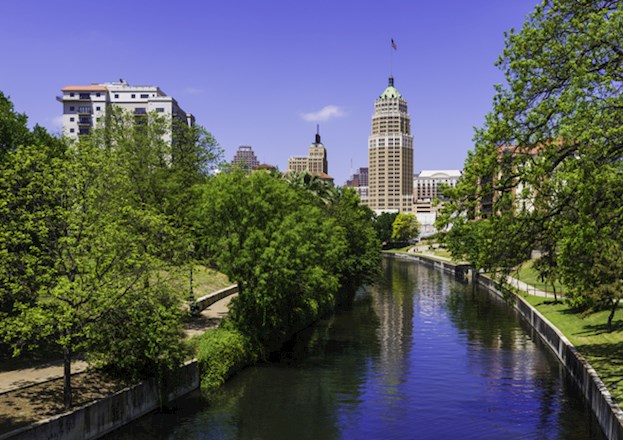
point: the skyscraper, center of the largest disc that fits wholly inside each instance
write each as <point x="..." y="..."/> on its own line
<point x="315" y="163"/>
<point x="390" y="154"/>
<point x="245" y="158"/>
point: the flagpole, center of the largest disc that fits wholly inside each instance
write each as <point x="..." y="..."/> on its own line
<point x="391" y="60"/>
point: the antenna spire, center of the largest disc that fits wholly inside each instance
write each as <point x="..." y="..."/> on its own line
<point x="317" y="133"/>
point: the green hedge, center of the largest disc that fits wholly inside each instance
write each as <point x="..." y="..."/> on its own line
<point x="221" y="353"/>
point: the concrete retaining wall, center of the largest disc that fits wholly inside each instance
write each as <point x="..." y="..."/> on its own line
<point x="105" y="415"/>
<point x="608" y="413"/>
<point x="206" y="301"/>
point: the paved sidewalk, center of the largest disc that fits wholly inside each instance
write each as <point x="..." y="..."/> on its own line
<point x="15" y="379"/>
<point x="530" y="290"/>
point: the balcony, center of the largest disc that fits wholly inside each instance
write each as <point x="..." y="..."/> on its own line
<point x="85" y="121"/>
<point x="85" y="110"/>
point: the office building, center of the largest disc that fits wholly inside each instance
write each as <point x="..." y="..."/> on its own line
<point x="316" y="162"/>
<point x="359" y="181"/>
<point x="245" y="158"/>
<point x="390" y="154"/>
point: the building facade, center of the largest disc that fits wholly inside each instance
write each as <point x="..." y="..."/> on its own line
<point x="316" y="162"/>
<point x="86" y="107"/>
<point x="427" y="187"/>
<point x="359" y="181"/>
<point x="245" y="158"/>
<point x="390" y="154"/>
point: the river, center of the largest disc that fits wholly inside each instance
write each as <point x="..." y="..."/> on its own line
<point x="416" y="356"/>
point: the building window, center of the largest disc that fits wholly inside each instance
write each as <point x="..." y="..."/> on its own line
<point x="140" y="111"/>
<point x="97" y="94"/>
<point x="160" y="109"/>
<point x="98" y="108"/>
<point x="144" y="96"/>
<point x="133" y="96"/>
<point x="71" y="130"/>
<point x="72" y="108"/>
<point x="116" y="95"/>
<point x="84" y="96"/>
<point x="71" y="119"/>
<point x="71" y="94"/>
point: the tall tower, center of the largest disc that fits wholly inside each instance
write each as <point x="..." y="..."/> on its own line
<point x="318" y="156"/>
<point x="390" y="154"/>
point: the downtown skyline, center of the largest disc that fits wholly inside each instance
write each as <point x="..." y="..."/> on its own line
<point x="265" y="74"/>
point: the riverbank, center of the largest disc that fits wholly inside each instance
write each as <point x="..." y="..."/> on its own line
<point x="608" y="413"/>
<point x="101" y="403"/>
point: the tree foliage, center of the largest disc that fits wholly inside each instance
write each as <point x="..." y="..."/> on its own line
<point x="383" y="225"/>
<point x="89" y="244"/>
<point x="546" y="172"/>
<point x="405" y="227"/>
<point x="288" y="249"/>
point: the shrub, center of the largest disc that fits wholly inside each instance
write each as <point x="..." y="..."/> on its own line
<point x="222" y="352"/>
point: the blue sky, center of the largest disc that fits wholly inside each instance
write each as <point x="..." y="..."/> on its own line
<point x="260" y="73"/>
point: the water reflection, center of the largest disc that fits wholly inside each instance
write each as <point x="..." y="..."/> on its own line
<point x="417" y="355"/>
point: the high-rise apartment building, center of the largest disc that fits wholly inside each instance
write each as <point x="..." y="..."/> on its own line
<point x="245" y="158"/>
<point x="315" y="163"/>
<point x="85" y="107"/>
<point x="390" y="154"/>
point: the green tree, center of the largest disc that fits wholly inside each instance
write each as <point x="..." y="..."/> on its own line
<point x="277" y="244"/>
<point x="546" y="169"/>
<point x="14" y="131"/>
<point x="383" y="225"/>
<point x="102" y="258"/>
<point x="405" y="227"/>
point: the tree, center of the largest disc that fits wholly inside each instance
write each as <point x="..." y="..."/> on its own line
<point x="102" y="260"/>
<point x="383" y="225"/>
<point x="546" y="169"/>
<point x="405" y="227"/>
<point x="290" y="244"/>
<point x="14" y="131"/>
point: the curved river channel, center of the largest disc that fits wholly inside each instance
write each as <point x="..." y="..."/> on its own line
<point x="416" y="356"/>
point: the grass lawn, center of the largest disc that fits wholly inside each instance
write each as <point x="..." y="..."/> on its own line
<point x="603" y="350"/>
<point x="206" y="280"/>
<point x="529" y="275"/>
<point x="439" y="252"/>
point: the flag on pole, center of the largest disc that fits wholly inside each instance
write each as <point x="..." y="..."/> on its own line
<point x="394" y="44"/>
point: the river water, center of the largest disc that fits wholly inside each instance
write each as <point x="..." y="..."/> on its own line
<point x="416" y="356"/>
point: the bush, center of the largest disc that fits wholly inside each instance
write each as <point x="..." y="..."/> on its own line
<point x="222" y="352"/>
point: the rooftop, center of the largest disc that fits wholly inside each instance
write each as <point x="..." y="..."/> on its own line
<point x="390" y="91"/>
<point x="440" y="174"/>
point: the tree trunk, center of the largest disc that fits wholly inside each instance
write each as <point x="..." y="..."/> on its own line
<point x="67" y="394"/>
<point x="615" y="303"/>
<point x="555" y="297"/>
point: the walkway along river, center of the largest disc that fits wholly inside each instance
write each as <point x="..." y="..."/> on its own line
<point x="418" y="355"/>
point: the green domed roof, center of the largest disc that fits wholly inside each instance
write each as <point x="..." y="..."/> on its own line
<point x="390" y="91"/>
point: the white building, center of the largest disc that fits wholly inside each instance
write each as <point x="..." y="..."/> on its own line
<point x="428" y="183"/>
<point x="85" y="107"/>
<point x="427" y="186"/>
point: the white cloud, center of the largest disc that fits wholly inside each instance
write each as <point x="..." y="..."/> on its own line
<point x="324" y="114"/>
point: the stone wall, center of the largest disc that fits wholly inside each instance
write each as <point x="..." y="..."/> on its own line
<point x="105" y="415"/>
<point x="206" y="301"/>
